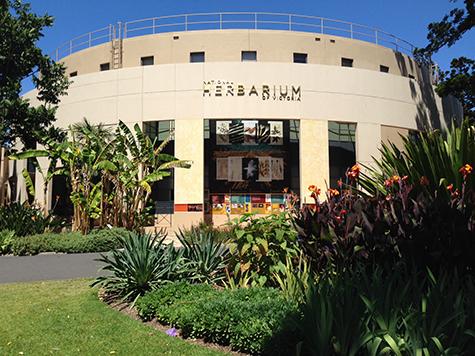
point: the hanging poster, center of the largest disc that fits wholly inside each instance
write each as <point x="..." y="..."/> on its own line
<point x="263" y="132"/>
<point x="276" y="132"/>
<point x="222" y="132"/>
<point x="236" y="132"/>
<point x="264" y="169"/>
<point x="250" y="167"/>
<point x="277" y="168"/>
<point x="250" y="131"/>
<point x="235" y="169"/>
<point x="222" y="168"/>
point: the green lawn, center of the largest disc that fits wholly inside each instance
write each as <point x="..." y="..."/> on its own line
<point x="66" y="318"/>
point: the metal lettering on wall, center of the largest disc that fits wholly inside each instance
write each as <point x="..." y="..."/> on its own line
<point x="220" y="88"/>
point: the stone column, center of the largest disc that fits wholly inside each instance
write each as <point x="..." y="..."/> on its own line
<point x="189" y="183"/>
<point x="314" y="157"/>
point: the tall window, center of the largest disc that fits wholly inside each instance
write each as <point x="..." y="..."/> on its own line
<point x="341" y="142"/>
<point x="163" y="195"/>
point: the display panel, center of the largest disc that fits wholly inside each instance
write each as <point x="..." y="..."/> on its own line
<point x="248" y="164"/>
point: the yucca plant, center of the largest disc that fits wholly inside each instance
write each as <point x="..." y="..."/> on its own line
<point x="143" y="263"/>
<point x="205" y="259"/>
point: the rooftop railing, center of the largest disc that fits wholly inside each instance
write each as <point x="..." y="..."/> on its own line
<point x="233" y="20"/>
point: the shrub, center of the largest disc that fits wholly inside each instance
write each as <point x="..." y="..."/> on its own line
<point x="400" y="313"/>
<point x="24" y="219"/>
<point x="205" y="259"/>
<point x="142" y="264"/>
<point x="260" y="247"/>
<point x="6" y="240"/>
<point x="435" y="155"/>
<point x="402" y="225"/>
<point x="254" y="320"/>
<point x="70" y="242"/>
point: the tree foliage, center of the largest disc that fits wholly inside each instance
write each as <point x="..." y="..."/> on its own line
<point x="459" y="81"/>
<point x="21" y="59"/>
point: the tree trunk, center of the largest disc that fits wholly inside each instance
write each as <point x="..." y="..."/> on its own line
<point x="4" y="178"/>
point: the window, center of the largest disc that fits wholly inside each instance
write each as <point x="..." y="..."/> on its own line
<point x="105" y="66"/>
<point x="342" y="149"/>
<point x="146" y="61"/>
<point x="162" y="195"/>
<point x="248" y="56"/>
<point x="347" y="62"/>
<point x="383" y="69"/>
<point x="197" y="57"/>
<point x="300" y="57"/>
<point x="73" y="74"/>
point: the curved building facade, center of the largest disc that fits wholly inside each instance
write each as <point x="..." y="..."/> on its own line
<point x="256" y="109"/>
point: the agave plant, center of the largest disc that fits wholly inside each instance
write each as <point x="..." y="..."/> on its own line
<point x="142" y="264"/>
<point x="205" y="257"/>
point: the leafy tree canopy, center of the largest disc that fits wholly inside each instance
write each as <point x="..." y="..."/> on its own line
<point x="21" y="58"/>
<point x="459" y="81"/>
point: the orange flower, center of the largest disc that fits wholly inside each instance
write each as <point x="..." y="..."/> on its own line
<point x="285" y="190"/>
<point x="333" y="192"/>
<point x="354" y="172"/>
<point x="395" y="179"/>
<point x="424" y="180"/>
<point x="466" y="169"/>
<point x="312" y="187"/>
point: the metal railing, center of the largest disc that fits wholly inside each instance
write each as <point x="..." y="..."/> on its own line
<point x="234" y="20"/>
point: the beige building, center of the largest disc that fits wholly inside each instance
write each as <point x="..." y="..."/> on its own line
<point x="258" y="105"/>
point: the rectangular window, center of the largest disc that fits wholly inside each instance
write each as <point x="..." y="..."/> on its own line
<point x="248" y="56"/>
<point x="105" y="66"/>
<point x="300" y="57"/>
<point x="384" y="69"/>
<point x="146" y="61"/>
<point x="197" y="57"/>
<point x="162" y="195"/>
<point x="342" y="149"/>
<point x="347" y="62"/>
<point x="73" y="74"/>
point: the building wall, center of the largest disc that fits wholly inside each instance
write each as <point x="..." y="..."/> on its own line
<point x="226" y="46"/>
<point x="174" y="90"/>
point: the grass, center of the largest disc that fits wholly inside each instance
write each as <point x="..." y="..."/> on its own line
<point x="66" y="318"/>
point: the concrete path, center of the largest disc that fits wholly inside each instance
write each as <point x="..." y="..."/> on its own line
<point x="48" y="267"/>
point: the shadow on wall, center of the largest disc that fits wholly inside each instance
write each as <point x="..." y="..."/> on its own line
<point x="428" y="115"/>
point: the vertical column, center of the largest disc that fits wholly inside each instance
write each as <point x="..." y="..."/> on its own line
<point x="314" y="157"/>
<point x="368" y="142"/>
<point x="189" y="183"/>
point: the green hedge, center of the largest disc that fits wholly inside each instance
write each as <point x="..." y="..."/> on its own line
<point x="70" y="242"/>
<point x="254" y="320"/>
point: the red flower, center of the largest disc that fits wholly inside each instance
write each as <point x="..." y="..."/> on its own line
<point x="450" y="187"/>
<point x="388" y="183"/>
<point x="339" y="182"/>
<point x="343" y="212"/>
<point x="405" y="178"/>
<point x="465" y="170"/>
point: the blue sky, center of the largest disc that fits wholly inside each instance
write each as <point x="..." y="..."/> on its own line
<point x="406" y="19"/>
